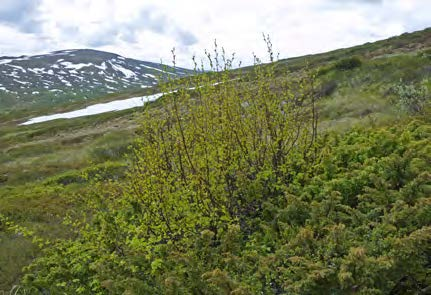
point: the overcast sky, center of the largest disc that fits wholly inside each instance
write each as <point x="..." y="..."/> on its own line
<point x="149" y="29"/>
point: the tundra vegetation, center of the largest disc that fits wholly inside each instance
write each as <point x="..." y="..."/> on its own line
<point x="261" y="180"/>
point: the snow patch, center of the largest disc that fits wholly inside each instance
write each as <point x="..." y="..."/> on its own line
<point x="102" y="66"/>
<point x="126" y="72"/>
<point x="100" y="108"/>
<point x="8" y="60"/>
<point x="5" y="61"/>
<point x="67" y="83"/>
<point x="37" y="70"/>
<point x="69" y="65"/>
<point x="19" y="68"/>
<point x="156" y="69"/>
<point x="21" y="82"/>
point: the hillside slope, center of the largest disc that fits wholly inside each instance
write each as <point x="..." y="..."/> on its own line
<point x="352" y="220"/>
<point x="71" y="75"/>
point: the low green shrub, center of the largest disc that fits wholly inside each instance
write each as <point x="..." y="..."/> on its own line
<point x="410" y="97"/>
<point x="327" y="88"/>
<point x="347" y="64"/>
<point x="105" y="171"/>
<point x="358" y="223"/>
<point x="324" y="70"/>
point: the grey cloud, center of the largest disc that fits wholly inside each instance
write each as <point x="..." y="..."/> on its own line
<point x="147" y="20"/>
<point x="24" y="16"/>
<point x="70" y="30"/>
<point x="186" y="38"/>
<point x="102" y="39"/>
<point x="128" y="35"/>
<point x="162" y="24"/>
<point x="21" y="14"/>
<point x="359" y="1"/>
<point x="337" y="4"/>
<point x="109" y="32"/>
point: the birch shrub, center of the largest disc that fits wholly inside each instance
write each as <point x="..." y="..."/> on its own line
<point x="204" y="162"/>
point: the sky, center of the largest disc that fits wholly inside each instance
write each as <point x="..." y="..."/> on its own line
<point x="148" y="30"/>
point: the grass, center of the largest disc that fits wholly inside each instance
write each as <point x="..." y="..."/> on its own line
<point x="35" y="207"/>
<point x="15" y="253"/>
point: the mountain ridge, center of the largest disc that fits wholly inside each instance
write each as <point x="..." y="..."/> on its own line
<point x="74" y="74"/>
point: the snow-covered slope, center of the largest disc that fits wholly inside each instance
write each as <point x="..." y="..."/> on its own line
<point x="70" y="75"/>
<point x="116" y="105"/>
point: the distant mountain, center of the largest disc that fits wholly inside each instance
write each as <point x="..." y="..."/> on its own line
<point x="71" y="75"/>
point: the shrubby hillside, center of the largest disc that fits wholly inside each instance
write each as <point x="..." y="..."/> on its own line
<point x="306" y="176"/>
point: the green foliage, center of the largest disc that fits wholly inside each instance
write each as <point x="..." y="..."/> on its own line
<point x="324" y="70"/>
<point x="104" y="171"/>
<point x="327" y="88"/>
<point x="212" y="204"/>
<point x="200" y="164"/>
<point x="410" y="97"/>
<point x="230" y="191"/>
<point x="15" y="252"/>
<point x="347" y="64"/>
<point x="358" y="223"/>
<point x="111" y="147"/>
